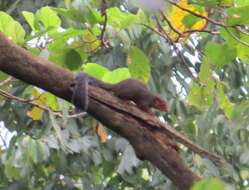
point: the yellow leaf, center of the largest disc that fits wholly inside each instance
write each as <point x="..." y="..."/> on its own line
<point x="101" y="133"/>
<point x="35" y="114"/>
<point x="40" y="99"/>
<point x="177" y="17"/>
<point x="88" y="42"/>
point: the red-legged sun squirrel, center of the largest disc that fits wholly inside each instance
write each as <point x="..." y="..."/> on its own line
<point x="129" y="89"/>
<point x="137" y="92"/>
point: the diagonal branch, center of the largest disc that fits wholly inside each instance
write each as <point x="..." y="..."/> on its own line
<point x="151" y="139"/>
<point x="34" y="104"/>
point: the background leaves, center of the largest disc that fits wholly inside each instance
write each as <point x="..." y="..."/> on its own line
<point x="203" y="75"/>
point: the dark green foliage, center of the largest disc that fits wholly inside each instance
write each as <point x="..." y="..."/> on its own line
<point x="58" y="152"/>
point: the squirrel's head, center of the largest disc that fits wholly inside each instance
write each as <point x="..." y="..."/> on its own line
<point x="160" y="104"/>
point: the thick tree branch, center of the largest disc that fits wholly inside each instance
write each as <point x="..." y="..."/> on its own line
<point x="146" y="133"/>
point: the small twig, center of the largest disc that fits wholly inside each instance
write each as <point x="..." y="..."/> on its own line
<point x="77" y="115"/>
<point x="186" y="31"/>
<point x="238" y="28"/>
<point x="152" y="29"/>
<point x="170" y="24"/>
<point x="44" y="108"/>
<point x="4" y="82"/>
<point x="22" y="100"/>
<point x="201" y="30"/>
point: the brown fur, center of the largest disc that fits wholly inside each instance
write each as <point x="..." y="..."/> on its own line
<point x="136" y="91"/>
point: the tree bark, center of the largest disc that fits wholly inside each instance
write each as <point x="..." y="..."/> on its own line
<point x="145" y="134"/>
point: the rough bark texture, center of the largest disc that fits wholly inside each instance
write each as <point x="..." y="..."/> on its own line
<point x="144" y="132"/>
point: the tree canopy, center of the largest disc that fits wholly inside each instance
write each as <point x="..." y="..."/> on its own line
<point x="193" y="53"/>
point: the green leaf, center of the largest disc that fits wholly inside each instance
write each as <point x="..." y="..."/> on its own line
<point x="218" y="54"/>
<point x="11" y="28"/>
<point x="3" y="76"/>
<point x="119" y="19"/>
<point x="108" y="168"/>
<point x="17" y="32"/>
<point x="36" y="113"/>
<point x="5" y="20"/>
<point x="244" y="173"/>
<point x="244" y="158"/>
<point x="11" y="171"/>
<point x="92" y="16"/>
<point x="242" y="3"/>
<point x="190" y="20"/>
<point x="224" y="102"/>
<point x="30" y="18"/>
<point x="87" y="15"/>
<point x="205" y="72"/>
<point x="202" y="96"/>
<point x="97" y="176"/>
<point x="48" y="17"/>
<point x="138" y="64"/>
<point x="74" y="145"/>
<point x="42" y="151"/>
<point x="227" y="36"/>
<point x="207" y="3"/>
<point x="116" y="75"/>
<point x="30" y="152"/>
<point x="239" y="48"/>
<point x="58" y="56"/>
<point x="208" y="184"/>
<point x="86" y="143"/>
<point x="51" y="100"/>
<point x="226" y="3"/>
<point x="35" y="151"/>
<point x="96" y="70"/>
<point x="97" y="158"/>
<point x="73" y="14"/>
<point x="238" y="16"/>
<point x="59" y="49"/>
<point x="65" y="35"/>
<point x="73" y="59"/>
<point x="128" y="161"/>
<point x="52" y="141"/>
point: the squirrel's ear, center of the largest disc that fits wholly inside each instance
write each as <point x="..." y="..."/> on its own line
<point x="160" y="104"/>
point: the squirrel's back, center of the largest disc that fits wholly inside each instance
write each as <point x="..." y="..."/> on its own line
<point x="134" y="90"/>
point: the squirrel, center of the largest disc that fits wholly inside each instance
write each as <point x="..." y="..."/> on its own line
<point x="136" y="91"/>
<point x="129" y="89"/>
